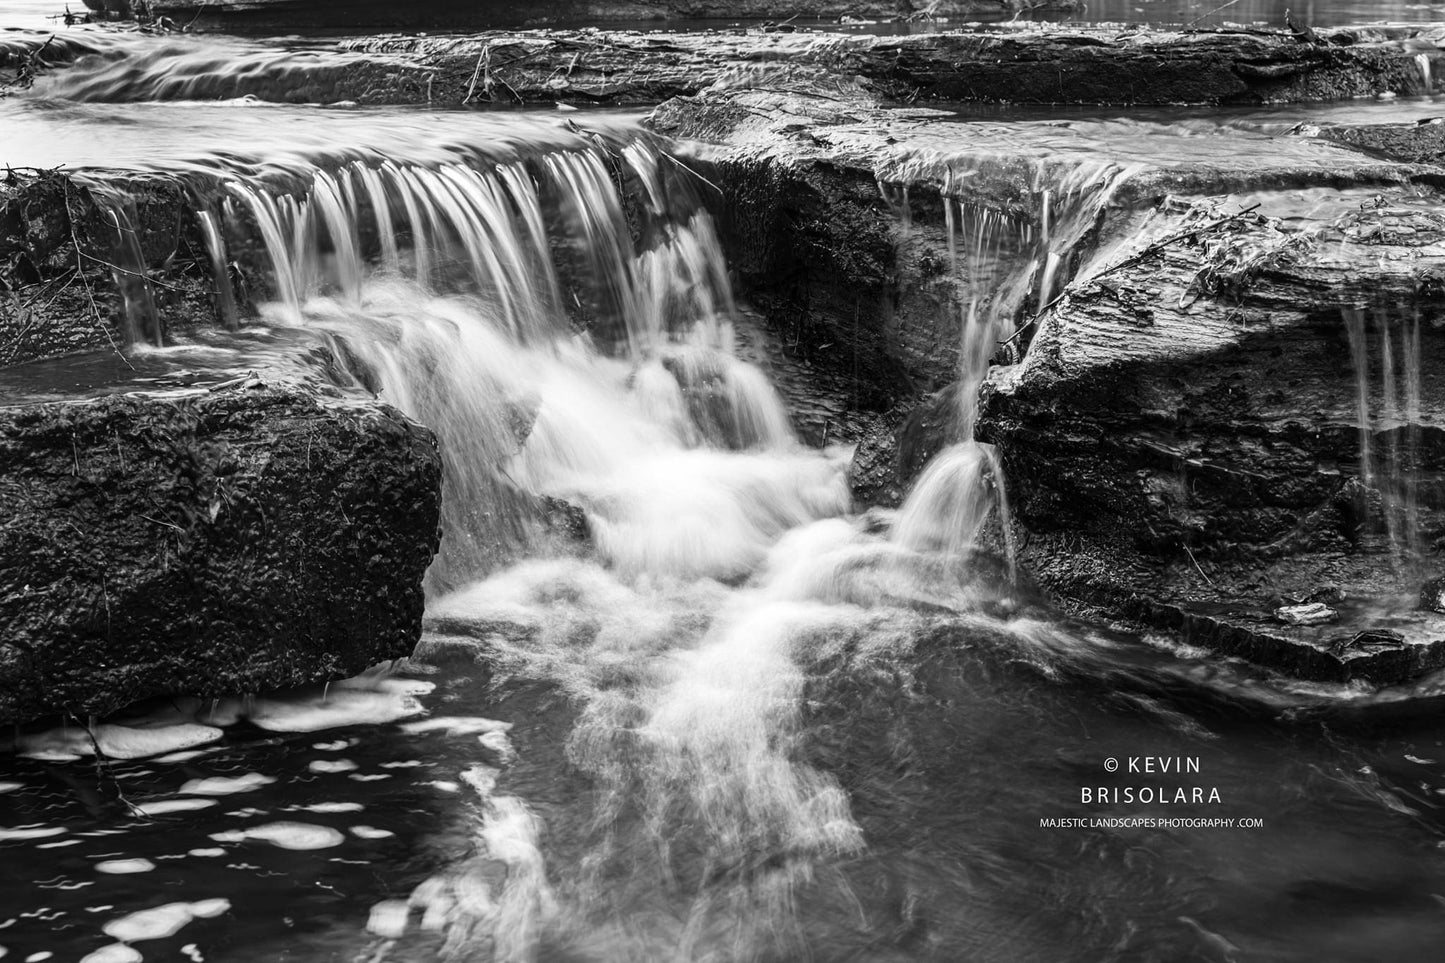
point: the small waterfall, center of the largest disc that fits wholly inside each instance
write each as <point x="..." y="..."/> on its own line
<point x="1010" y="260"/>
<point x="1388" y="415"/>
<point x="220" y="270"/>
<point x="561" y="317"/>
<point x="1427" y="72"/>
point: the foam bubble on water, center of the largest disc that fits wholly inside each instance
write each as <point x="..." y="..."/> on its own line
<point x="388" y="919"/>
<point x="331" y="807"/>
<point x="117" y="742"/>
<point x="60" y="845"/>
<point x="334" y="746"/>
<point x="331" y="765"/>
<point x="371" y="832"/>
<point x="29" y="832"/>
<point x="7" y="786"/>
<point x="227" y="785"/>
<point x="124" y="867"/>
<point x="178" y="757"/>
<point x="285" y="835"/>
<point x="346" y="703"/>
<point x="114" y="953"/>
<point x="160" y="922"/>
<point x="162" y="806"/>
<point x="455" y="726"/>
<point x="40" y="957"/>
<point x="207" y="852"/>
<point x="368" y="777"/>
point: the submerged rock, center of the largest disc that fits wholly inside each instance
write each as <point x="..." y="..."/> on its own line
<point x="206" y="543"/>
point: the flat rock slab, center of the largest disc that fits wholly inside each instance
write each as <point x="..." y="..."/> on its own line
<point x="206" y="543"/>
<point x="448" y="14"/>
<point x="1041" y="65"/>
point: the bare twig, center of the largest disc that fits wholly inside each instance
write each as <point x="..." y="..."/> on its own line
<point x="80" y="269"/>
<point x="1211" y="13"/>
<point x="1196" y="565"/>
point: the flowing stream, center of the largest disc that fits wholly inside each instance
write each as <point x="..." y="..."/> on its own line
<point x="737" y="720"/>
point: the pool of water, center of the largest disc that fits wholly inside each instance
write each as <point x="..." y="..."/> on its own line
<point x="963" y="747"/>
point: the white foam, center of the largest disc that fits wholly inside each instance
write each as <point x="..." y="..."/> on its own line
<point x="371" y="832"/>
<point x="330" y="765"/>
<point x="30" y="832"/>
<point x="160" y="922"/>
<point x="186" y="756"/>
<point x="7" y="786"/>
<point x="207" y="852"/>
<point x="124" y="867"/>
<point x="365" y="700"/>
<point x="114" y="953"/>
<point x="455" y="726"/>
<point x="117" y="742"/>
<point x="388" y="918"/>
<point x="227" y="785"/>
<point x="285" y="835"/>
<point x="162" y="806"/>
<point x="332" y="807"/>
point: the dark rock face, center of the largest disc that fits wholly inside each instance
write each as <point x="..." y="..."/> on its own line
<point x="215" y="542"/>
<point x="65" y="278"/>
<point x="1184" y="450"/>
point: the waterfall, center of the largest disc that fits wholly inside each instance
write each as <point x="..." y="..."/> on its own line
<point x="1388" y="419"/>
<point x="560" y="314"/>
<point x="1011" y="260"/>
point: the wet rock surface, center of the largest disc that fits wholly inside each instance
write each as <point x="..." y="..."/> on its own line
<point x="206" y="543"/>
<point x="1178" y="453"/>
<point x="67" y="272"/>
<point x="493" y="13"/>
<point x="1077" y="65"/>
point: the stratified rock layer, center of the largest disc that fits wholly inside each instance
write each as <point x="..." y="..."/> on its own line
<point x="1184" y="443"/>
<point x="206" y="543"/>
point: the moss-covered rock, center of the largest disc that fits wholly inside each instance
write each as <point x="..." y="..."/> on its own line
<point x="206" y="543"/>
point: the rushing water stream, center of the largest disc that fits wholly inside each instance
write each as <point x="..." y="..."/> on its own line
<point x="742" y="721"/>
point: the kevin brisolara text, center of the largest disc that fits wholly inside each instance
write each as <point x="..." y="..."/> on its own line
<point x="1149" y="822"/>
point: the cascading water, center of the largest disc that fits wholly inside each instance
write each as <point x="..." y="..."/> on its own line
<point x="1010" y="261"/>
<point x="1387" y="411"/>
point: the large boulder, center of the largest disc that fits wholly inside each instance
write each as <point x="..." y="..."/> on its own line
<point x="206" y="542"/>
